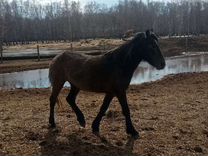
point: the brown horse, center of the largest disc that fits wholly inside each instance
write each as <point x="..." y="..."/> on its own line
<point x="109" y="73"/>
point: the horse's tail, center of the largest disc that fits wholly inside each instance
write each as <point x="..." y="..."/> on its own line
<point x="51" y="75"/>
<point x="52" y="69"/>
<point x="59" y="103"/>
<point x="58" y="100"/>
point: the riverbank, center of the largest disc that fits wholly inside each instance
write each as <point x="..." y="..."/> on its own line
<point x="22" y="65"/>
<point x="170" y="114"/>
<point x="169" y="47"/>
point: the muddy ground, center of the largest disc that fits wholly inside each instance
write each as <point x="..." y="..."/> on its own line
<point x="170" y="114"/>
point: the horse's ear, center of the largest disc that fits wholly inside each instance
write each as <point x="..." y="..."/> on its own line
<point x="148" y="33"/>
<point x="154" y="37"/>
<point x="152" y="30"/>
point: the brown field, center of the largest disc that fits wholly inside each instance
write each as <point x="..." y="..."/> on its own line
<point x="82" y="45"/>
<point x="170" y="114"/>
<point x="168" y="45"/>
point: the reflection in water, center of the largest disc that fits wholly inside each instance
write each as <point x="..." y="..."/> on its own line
<point x="175" y="65"/>
<point x="26" y="79"/>
<point x="144" y="73"/>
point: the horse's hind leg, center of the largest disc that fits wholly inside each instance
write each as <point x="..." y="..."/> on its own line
<point x="103" y="109"/>
<point x="53" y="98"/>
<point x="71" y="100"/>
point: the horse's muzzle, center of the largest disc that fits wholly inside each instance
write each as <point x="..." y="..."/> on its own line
<point x="161" y="66"/>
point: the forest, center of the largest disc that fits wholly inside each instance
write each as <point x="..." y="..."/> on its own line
<point x="24" y="21"/>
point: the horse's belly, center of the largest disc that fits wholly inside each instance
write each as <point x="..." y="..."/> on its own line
<point x="94" y="84"/>
<point x="91" y="76"/>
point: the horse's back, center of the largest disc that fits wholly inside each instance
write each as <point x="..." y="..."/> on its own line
<point x="71" y="66"/>
<point x="63" y="62"/>
<point x="66" y="58"/>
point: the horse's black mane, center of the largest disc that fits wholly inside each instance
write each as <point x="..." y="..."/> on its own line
<point x="125" y="55"/>
<point x="138" y="36"/>
<point x="126" y="44"/>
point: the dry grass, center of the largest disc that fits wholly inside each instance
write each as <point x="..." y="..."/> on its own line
<point x="82" y="45"/>
<point x="169" y="47"/>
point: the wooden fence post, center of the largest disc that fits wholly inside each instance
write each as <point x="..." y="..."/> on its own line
<point x="186" y="48"/>
<point x="1" y="51"/>
<point x="71" y="46"/>
<point x="104" y="44"/>
<point x="38" y="52"/>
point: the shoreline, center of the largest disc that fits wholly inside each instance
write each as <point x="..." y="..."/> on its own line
<point x="32" y="64"/>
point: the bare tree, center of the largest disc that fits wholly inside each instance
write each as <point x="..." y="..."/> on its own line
<point x="27" y="21"/>
<point x="2" y="27"/>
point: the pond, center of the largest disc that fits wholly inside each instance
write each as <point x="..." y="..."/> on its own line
<point x="144" y="73"/>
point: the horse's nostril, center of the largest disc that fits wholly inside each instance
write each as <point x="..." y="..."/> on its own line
<point x="163" y="64"/>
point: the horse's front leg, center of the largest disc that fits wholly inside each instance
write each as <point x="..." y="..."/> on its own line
<point x="103" y="109"/>
<point x="126" y="112"/>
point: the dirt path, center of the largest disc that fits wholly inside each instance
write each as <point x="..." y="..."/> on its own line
<point x="171" y="116"/>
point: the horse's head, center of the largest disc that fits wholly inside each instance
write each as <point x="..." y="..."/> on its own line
<point x="151" y="51"/>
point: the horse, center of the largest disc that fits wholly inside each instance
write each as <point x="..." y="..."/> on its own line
<point x="108" y="73"/>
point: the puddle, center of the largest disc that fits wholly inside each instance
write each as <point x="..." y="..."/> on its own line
<point x="144" y="73"/>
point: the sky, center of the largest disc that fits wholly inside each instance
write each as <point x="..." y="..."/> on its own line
<point x="108" y="3"/>
<point x="83" y="2"/>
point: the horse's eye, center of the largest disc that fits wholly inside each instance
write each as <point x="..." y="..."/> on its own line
<point x="155" y="45"/>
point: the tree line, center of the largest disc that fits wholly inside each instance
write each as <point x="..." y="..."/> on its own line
<point x="23" y="21"/>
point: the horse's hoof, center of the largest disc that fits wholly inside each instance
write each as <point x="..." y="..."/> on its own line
<point x="82" y="124"/>
<point x="81" y="120"/>
<point x="135" y="136"/>
<point x="133" y="133"/>
<point x="55" y="130"/>
<point x="96" y="133"/>
<point x="52" y="126"/>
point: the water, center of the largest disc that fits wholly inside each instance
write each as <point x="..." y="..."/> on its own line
<point x="26" y="79"/>
<point x="31" y="52"/>
<point x="144" y="73"/>
<point x="174" y="65"/>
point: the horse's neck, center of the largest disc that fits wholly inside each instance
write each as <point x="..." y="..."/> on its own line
<point x="129" y="58"/>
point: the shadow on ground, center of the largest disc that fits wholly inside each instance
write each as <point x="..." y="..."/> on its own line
<point x="73" y="144"/>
